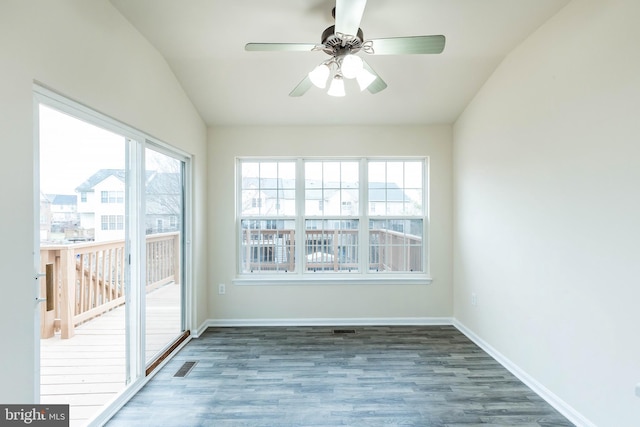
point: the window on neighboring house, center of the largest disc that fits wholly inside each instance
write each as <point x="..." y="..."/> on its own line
<point x="83" y="197"/>
<point x="112" y="196"/>
<point x="349" y="216"/>
<point x="112" y="222"/>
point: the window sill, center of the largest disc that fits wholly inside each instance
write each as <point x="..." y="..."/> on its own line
<point x="332" y="280"/>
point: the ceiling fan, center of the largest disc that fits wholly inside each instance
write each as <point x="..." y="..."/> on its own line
<point x="342" y="42"/>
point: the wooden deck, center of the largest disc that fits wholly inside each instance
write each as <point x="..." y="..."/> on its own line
<point x="88" y="370"/>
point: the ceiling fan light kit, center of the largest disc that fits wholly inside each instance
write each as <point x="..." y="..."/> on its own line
<point x="337" y="86"/>
<point x="342" y="42"/>
<point x="320" y="75"/>
<point x="347" y="66"/>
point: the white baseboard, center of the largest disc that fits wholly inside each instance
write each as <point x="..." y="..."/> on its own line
<point x="552" y="399"/>
<point x="200" y="330"/>
<point x="358" y="321"/>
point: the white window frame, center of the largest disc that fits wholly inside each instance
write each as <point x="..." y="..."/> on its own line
<point x="363" y="276"/>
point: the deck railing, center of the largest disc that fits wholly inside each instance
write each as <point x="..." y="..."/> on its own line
<point x="330" y="250"/>
<point x="85" y="280"/>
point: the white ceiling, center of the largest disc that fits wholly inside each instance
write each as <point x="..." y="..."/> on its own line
<point x="203" y="43"/>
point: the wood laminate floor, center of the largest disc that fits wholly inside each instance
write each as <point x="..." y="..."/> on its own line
<point x="310" y="376"/>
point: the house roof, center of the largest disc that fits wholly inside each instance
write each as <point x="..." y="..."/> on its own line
<point x="164" y="183"/>
<point x="379" y="192"/>
<point x="157" y="182"/>
<point x="98" y="177"/>
<point x="62" y="199"/>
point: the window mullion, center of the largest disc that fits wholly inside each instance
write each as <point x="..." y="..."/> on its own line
<point x="363" y="214"/>
<point x="300" y="217"/>
<point x="239" y="217"/>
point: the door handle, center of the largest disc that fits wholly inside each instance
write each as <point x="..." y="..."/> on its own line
<point x="39" y="299"/>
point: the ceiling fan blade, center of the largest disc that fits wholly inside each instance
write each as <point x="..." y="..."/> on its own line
<point x="302" y="87"/>
<point x="378" y="84"/>
<point x="408" y="45"/>
<point x="348" y="16"/>
<point x="283" y="47"/>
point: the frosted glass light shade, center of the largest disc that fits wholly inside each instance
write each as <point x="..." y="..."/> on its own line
<point x="319" y="76"/>
<point x="351" y="66"/>
<point x="364" y="79"/>
<point x="337" y="87"/>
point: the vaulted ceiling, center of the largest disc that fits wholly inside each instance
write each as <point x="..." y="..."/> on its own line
<point x="203" y="43"/>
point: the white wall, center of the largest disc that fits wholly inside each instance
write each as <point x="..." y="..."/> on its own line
<point x="547" y="209"/>
<point x="327" y="301"/>
<point x="87" y="51"/>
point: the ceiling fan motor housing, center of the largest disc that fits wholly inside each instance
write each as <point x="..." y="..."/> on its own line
<point x="336" y="45"/>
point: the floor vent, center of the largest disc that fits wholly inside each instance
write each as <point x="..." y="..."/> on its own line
<point x="344" y="331"/>
<point x="185" y="369"/>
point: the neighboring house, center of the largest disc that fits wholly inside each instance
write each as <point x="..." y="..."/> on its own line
<point x="268" y="196"/>
<point x="163" y="202"/>
<point x="64" y="211"/>
<point x="101" y="205"/>
<point x="59" y="220"/>
<point x="389" y="199"/>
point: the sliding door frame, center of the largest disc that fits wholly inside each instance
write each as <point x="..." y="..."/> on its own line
<point x="136" y="143"/>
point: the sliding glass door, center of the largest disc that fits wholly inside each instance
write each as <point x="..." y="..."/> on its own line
<point x="164" y="229"/>
<point x="111" y="252"/>
<point x="83" y="256"/>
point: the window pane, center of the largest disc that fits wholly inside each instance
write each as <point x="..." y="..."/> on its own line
<point x="250" y="202"/>
<point x="287" y="203"/>
<point x="395" y="245"/>
<point x="350" y="173"/>
<point x="395" y="173"/>
<point x="268" y="246"/>
<point x="331" y="174"/>
<point x="331" y="188"/>
<point x="263" y="188"/>
<point x="413" y="202"/>
<point x="331" y="245"/>
<point x="313" y="205"/>
<point x="349" y="202"/>
<point x="395" y="200"/>
<point x="395" y="188"/>
<point x="332" y="202"/>
<point x="313" y="174"/>
<point x="287" y="172"/>
<point x="413" y="175"/>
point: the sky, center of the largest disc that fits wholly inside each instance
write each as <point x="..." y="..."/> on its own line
<point x="72" y="150"/>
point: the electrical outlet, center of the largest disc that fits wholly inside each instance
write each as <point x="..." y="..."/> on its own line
<point x="474" y="299"/>
<point x="221" y="289"/>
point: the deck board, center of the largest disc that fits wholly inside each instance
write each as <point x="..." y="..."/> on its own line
<point x="88" y="370"/>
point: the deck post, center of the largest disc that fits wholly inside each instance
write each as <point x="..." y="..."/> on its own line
<point x="177" y="259"/>
<point x="47" y="314"/>
<point x="68" y="294"/>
